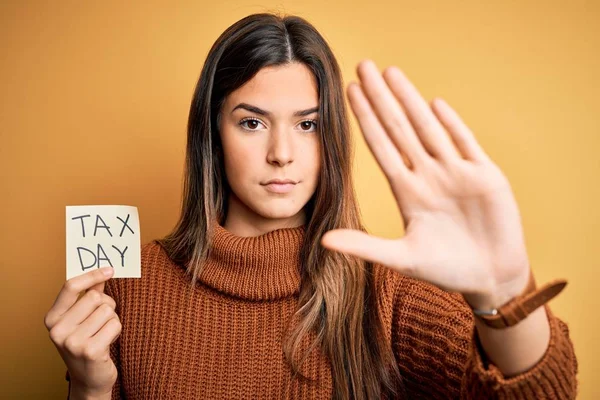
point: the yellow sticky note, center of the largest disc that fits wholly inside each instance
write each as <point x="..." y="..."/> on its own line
<point x="102" y="236"/>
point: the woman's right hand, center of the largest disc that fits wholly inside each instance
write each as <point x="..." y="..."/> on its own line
<point x="82" y="331"/>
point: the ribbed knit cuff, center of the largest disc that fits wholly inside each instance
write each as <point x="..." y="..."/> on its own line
<point x="550" y="378"/>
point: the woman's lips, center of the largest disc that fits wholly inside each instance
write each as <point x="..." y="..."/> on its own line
<point x="280" y="187"/>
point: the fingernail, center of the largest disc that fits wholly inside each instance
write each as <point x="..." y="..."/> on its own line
<point x="107" y="271"/>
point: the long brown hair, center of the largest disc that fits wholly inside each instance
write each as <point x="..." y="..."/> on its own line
<point x="337" y="297"/>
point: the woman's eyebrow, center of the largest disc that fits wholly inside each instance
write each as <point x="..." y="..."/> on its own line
<point x="260" y="111"/>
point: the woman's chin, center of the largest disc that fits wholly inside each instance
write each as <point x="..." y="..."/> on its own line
<point x="278" y="211"/>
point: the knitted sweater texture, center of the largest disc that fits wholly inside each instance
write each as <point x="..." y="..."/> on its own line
<point x="222" y="338"/>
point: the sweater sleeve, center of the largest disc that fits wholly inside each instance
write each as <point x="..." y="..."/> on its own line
<point x="553" y="377"/>
<point x="111" y="290"/>
<point x="438" y="352"/>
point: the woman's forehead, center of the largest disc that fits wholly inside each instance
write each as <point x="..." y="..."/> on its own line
<point x="282" y="90"/>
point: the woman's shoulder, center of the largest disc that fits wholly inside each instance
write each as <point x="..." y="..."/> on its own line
<point x="156" y="267"/>
<point x="152" y="252"/>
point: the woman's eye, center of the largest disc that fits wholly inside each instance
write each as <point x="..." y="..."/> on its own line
<point x="252" y="124"/>
<point x="308" y="124"/>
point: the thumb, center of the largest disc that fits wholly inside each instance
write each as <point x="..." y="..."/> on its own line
<point x="393" y="253"/>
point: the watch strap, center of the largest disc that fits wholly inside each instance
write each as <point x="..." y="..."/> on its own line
<point x="521" y="306"/>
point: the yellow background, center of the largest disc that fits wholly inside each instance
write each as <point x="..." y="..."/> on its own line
<point x="94" y="103"/>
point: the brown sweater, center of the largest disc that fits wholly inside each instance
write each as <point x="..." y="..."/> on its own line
<point x="223" y="338"/>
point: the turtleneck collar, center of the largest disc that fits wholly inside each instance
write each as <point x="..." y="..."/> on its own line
<point x="264" y="267"/>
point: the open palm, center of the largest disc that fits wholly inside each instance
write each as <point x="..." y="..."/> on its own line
<point x="463" y="227"/>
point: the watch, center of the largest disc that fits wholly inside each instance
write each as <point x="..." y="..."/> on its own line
<point x="521" y="306"/>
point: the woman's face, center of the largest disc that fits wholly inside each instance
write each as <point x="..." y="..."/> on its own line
<point x="268" y="131"/>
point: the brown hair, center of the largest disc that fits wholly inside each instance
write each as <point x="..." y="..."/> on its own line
<point x="338" y="295"/>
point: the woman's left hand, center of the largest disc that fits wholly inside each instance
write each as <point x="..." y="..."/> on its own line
<point x="463" y="229"/>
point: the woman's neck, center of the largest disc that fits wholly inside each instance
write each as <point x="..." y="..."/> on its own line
<point x="244" y="222"/>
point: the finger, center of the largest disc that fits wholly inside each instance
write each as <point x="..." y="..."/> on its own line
<point x="89" y="302"/>
<point x="389" y="112"/>
<point x="81" y="310"/>
<point x="99" y="287"/>
<point x="392" y="253"/>
<point x="107" y="334"/>
<point x="96" y="347"/>
<point x="70" y="292"/>
<point x="378" y="141"/>
<point x="462" y="136"/>
<point x="429" y="129"/>
<point x="95" y="321"/>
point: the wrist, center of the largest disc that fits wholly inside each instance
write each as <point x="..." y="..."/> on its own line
<point x="502" y="295"/>
<point x="517" y="309"/>
<point x="79" y="391"/>
<point x="487" y="302"/>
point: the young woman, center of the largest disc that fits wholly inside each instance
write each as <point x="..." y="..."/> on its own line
<point x="270" y="287"/>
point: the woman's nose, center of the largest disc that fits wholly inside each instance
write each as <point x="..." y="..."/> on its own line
<point x="280" y="148"/>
